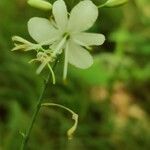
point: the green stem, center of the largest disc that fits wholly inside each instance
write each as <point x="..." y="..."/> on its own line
<point x="37" y="109"/>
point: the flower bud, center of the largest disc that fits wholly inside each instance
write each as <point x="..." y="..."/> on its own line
<point x="114" y="3"/>
<point x="40" y="4"/>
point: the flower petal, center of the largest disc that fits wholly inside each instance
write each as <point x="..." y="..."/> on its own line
<point x="78" y="56"/>
<point x="89" y="39"/>
<point x="60" y="14"/>
<point x="83" y="16"/>
<point x="41" y="29"/>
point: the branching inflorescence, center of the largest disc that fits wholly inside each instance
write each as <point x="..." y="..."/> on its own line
<point x="64" y="32"/>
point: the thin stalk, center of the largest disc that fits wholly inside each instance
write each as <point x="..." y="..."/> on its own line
<point x="37" y="109"/>
<point x="71" y="131"/>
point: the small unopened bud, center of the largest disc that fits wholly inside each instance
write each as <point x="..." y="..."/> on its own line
<point x="40" y="4"/>
<point x="114" y="3"/>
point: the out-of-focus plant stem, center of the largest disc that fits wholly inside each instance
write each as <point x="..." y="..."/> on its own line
<point x="37" y="109"/>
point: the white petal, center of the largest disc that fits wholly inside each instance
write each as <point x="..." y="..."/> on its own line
<point x="78" y="56"/>
<point x="41" y="29"/>
<point x="60" y="14"/>
<point x="83" y="16"/>
<point x="89" y="39"/>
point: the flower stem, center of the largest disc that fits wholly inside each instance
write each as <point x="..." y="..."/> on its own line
<point x="37" y="109"/>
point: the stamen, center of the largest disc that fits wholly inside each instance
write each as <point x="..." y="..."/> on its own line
<point x="52" y="72"/>
<point x="65" y="63"/>
<point x="60" y="45"/>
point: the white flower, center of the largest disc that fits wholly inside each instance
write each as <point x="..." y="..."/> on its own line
<point x="67" y="33"/>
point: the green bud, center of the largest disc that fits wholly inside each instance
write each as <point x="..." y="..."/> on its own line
<point x="114" y="3"/>
<point x="40" y="4"/>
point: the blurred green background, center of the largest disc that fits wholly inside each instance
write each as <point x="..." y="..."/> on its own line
<point x="112" y="98"/>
